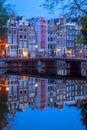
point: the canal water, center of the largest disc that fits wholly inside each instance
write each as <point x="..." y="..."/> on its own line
<point x="42" y="102"/>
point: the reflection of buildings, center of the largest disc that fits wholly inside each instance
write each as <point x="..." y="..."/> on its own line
<point x="39" y="93"/>
<point x="75" y="91"/>
<point x="56" y="93"/>
<point x="12" y="94"/>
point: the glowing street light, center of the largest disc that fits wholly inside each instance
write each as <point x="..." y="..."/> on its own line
<point x="7" y="89"/>
<point x="58" y="50"/>
<point x="36" y="85"/>
<point x="36" y="46"/>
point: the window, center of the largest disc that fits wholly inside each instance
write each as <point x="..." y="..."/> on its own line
<point x="14" y="31"/>
<point x="51" y="39"/>
<point x="21" y="29"/>
<point x="29" y="47"/>
<point x="14" y="39"/>
<point x="31" y="27"/>
<point x="20" y="36"/>
<point x="20" y="44"/>
<point x="25" y="37"/>
<point x="9" y="39"/>
<point x="25" y="30"/>
<point x="25" y="98"/>
<point x="9" y="31"/>
<point x="25" y="44"/>
<point x="34" y="40"/>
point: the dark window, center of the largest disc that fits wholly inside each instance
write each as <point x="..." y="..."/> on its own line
<point x="25" y="30"/>
<point x="9" y="31"/>
<point x="21" y="29"/>
<point x="20" y="36"/>
<point x="14" y="31"/>
<point x="24" y="36"/>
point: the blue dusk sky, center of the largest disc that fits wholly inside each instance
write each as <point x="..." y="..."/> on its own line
<point x="32" y="8"/>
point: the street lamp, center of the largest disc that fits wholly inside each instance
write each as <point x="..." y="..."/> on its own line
<point x="36" y="85"/>
<point x="58" y="51"/>
<point x="80" y="52"/>
<point x="36" y="46"/>
<point x="36" y="49"/>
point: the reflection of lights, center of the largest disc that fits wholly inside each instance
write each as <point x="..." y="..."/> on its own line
<point x="80" y="51"/>
<point x="7" y="89"/>
<point x="0" y="88"/>
<point x="61" y="110"/>
<point x="54" y="51"/>
<point x="36" y="85"/>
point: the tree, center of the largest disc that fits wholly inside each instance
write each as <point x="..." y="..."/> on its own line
<point x="4" y="13"/>
<point x="3" y="110"/>
<point x="79" y="40"/>
<point x="84" y="113"/>
<point x="68" y="7"/>
<point x="84" y="28"/>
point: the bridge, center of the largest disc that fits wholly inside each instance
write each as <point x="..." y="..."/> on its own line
<point x="67" y="59"/>
<point x="44" y="62"/>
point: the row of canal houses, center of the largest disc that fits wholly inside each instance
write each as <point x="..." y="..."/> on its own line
<point x="22" y="92"/>
<point x="40" y="37"/>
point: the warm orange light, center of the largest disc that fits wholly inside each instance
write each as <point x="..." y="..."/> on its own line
<point x="80" y="51"/>
<point x="7" y="89"/>
<point x="25" y="53"/>
<point x="7" y="46"/>
<point x="69" y="51"/>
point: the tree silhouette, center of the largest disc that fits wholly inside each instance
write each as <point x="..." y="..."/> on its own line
<point x="84" y="113"/>
<point x="4" y="13"/>
<point x="3" y="110"/>
<point x="67" y="7"/>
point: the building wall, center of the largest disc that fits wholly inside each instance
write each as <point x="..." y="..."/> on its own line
<point x="22" y="40"/>
<point x="12" y="48"/>
<point x="41" y="37"/>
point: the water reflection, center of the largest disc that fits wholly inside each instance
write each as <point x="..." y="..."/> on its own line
<point x="19" y="92"/>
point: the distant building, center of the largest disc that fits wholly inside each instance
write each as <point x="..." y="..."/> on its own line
<point x="61" y="37"/>
<point x="12" y="46"/>
<point x="41" y="27"/>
